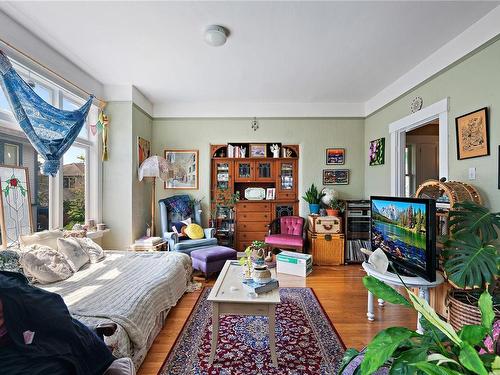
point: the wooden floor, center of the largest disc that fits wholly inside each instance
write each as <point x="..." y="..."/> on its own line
<point x="340" y="291"/>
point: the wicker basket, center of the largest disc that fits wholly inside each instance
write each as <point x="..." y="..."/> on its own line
<point x="461" y="312"/>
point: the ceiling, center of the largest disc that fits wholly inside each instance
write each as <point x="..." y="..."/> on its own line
<point x="308" y="52"/>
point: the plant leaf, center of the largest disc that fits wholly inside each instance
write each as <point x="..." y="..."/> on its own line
<point x="487" y="314"/>
<point x="469" y="217"/>
<point x="470" y="262"/>
<point x="432" y="369"/>
<point x="470" y="359"/>
<point x="383" y="346"/>
<point x="473" y="334"/>
<point x="441" y="359"/>
<point x="403" y="364"/>
<point x="423" y="308"/>
<point x="495" y="366"/>
<point x="384" y="291"/>
<point x="349" y="355"/>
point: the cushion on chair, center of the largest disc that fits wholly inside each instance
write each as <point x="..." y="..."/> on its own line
<point x="189" y="245"/>
<point x="284" y="240"/>
<point x="194" y="231"/>
<point x="291" y="225"/>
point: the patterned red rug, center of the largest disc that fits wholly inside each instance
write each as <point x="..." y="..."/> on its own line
<point x="307" y="342"/>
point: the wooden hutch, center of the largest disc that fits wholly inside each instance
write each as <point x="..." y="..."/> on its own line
<point x="232" y="175"/>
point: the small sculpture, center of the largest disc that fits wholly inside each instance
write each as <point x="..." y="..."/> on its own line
<point x="287" y="153"/>
<point x="275" y="149"/>
<point x="243" y="151"/>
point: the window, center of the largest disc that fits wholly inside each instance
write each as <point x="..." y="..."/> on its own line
<point x="63" y="200"/>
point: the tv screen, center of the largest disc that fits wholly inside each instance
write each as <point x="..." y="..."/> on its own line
<point x="404" y="228"/>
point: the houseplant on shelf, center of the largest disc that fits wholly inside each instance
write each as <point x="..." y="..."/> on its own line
<point x="335" y="207"/>
<point x="471" y="261"/>
<point x="440" y="350"/>
<point x="313" y="197"/>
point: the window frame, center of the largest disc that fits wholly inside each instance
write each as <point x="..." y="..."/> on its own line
<point x="91" y="145"/>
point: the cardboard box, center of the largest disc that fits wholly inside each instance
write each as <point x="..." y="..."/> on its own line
<point x="294" y="263"/>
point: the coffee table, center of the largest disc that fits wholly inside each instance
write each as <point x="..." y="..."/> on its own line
<point x="230" y="297"/>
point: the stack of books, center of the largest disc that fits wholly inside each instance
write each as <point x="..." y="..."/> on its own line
<point x="145" y="243"/>
<point x="260" y="288"/>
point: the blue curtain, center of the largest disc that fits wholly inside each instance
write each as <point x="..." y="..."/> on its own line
<point x="50" y="130"/>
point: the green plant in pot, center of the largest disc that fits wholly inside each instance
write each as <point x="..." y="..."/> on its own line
<point x="471" y="260"/>
<point x="335" y="208"/>
<point x="440" y="350"/>
<point x="313" y="197"/>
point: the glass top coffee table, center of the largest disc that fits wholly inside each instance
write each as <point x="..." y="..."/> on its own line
<point x="230" y="297"/>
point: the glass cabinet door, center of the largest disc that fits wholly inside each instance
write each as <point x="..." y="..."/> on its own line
<point x="264" y="171"/>
<point x="244" y="171"/>
<point x="287" y="178"/>
<point x="222" y="175"/>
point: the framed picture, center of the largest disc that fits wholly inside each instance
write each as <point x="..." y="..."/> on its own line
<point x="270" y="193"/>
<point x="472" y="134"/>
<point x="335" y="176"/>
<point x="143" y="150"/>
<point x="335" y="156"/>
<point x="15" y="204"/>
<point x="182" y="169"/>
<point x="376" y="152"/>
<point x="258" y="150"/>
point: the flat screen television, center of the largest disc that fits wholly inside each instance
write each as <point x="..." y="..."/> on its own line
<point x="405" y="229"/>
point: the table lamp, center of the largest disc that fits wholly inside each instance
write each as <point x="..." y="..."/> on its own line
<point x="153" y="167"/>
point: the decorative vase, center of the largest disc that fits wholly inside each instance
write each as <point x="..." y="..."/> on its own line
<point x="314" y="208"/>
<point x="261" y="274"/>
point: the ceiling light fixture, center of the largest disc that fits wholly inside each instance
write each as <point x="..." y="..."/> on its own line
<point x="216" y="35"/>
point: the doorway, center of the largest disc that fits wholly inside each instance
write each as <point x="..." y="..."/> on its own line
<point x="421" y="156"/>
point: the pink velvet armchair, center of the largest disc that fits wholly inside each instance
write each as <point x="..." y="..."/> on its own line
<point x="286" y="232"/>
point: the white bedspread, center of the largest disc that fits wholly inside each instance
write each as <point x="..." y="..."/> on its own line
<point x="130" y="289"/>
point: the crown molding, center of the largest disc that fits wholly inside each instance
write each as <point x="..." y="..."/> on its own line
<point x="128" y="93"/>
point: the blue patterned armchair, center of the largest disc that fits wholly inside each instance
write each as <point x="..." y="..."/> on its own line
<point x="178" y="208"/>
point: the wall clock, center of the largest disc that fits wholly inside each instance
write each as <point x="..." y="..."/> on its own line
<point x="416" y="104"/>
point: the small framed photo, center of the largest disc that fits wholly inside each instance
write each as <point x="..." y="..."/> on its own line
<point x="335" y="156"/>
<point x="258" y="150"/>
<point x="335" y="176"/>
<point x="472" y="134"/>
<point x="270" y="194"/>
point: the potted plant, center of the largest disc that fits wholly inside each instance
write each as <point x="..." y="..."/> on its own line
<point x="471" y="259"/>
<point x="440" y="350"/>
<point x="313" y="197"/>
<point x="335" y="207"/>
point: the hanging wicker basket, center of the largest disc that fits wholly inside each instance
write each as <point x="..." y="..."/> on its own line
<point x="462" y="310"/>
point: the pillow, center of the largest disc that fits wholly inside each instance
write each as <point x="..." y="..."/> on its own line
<point x="180" y="226"/>
<point x="71" y="249"/>
<point x="45" y="265"/>
<point x="45" y="238"/>
<point x="93" y="250"/>
<point x="9" y="261"/>
<point x="194" y="231"/>
<point x="75" y="233"/>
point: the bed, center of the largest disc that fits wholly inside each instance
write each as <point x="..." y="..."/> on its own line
<point x="134" y="290"/>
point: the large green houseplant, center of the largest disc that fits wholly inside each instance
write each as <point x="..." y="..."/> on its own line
<point x="471" y="259"/>
<point x="313" y="197"/>
<point x="440" y="350"/>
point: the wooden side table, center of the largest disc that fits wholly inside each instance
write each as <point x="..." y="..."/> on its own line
<point x="161" y="246"/>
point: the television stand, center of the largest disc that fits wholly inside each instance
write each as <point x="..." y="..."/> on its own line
<point x="393" y="279"/>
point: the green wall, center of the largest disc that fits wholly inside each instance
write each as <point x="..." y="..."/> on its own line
<point x="471" y="84"/>
<point x="313" y="136"/>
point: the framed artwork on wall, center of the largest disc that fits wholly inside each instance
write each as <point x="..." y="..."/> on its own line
<point x="15" y="204"/>
<point x="143" y="150"/>
<point x="335" y="156"/>
<point x="376" y="152"/>
<point x="258" y="150"/>
<point x="182" y="169"/>
<point x="472" y="134"/>
<point x="335" y="176"/>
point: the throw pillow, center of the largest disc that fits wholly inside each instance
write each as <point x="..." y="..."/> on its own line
<point x="93" y="250"/>
<point x="71" y="249"/>
<point x="9" y="261"/>
<point x="194" y="231"/>
<point x="75" y="233"/>
<point x="180" y="227"/>
<point x="45" y="265"/>
<point x="46" y="238"/>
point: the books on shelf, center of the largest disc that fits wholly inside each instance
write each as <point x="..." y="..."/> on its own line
<point x="148" y="241"/>
<point x="259" y="288"/>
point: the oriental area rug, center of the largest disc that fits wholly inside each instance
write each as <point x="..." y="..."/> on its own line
<point x="306" y="341"/>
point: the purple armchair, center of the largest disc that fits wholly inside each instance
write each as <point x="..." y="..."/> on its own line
<point x="286" y="232"/>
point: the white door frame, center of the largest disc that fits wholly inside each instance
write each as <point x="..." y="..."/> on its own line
<point x="398" y="130"/>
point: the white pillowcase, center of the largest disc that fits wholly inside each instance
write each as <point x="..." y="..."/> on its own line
<point x="73" y="252"/>
<point x="44" y="265"/>
<point x="45" y="238"/>
<point x="93" y="250"/>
